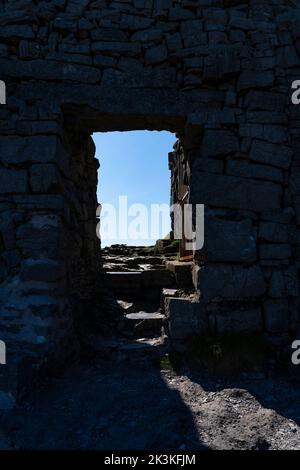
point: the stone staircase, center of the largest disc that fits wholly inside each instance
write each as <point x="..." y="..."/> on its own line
<point x="136" y="281"/>
<point x="136" y="277"/>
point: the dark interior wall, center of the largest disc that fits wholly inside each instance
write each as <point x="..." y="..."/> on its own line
<point x="219" y="73"/>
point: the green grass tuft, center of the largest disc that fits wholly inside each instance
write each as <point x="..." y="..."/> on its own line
<point x="171" y="361"/>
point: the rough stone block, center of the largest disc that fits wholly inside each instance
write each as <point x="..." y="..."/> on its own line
<point x="44" y="270"/>
<point x="254" y="79"/>
<point x="229" y="241"/>
<point x="16" y="31"/>
<point x="265" y="100"/>
<point x="109" y="35"/>
<point x="182" y="272"/>
<point x="37" y="149"/>
<point x="134" y="22"/>
<point x="130" y="48"/>
<point x="40" y="236"/>
<point x="13" y="181"/>
<point x="246" y="169"/>
<point x="47" y="202"/>
<point x="276" y="316"/>
<point x="224" y="281"/>
<point x="291" y="277"/>
<point x="211" y="165"/>
<point x="277" y="287"/>
<point x="7" y="401"/>
<point x="185" y="318"/>
<point x="272" y="232"/>
<point x="271" y="154"/>
<point x="222" y="62"/>
<point x="156" y="55"/>
<point x="124" y="281"/>
<point x="218" y="143"/>
<point x="44" y="178"/>
<point x="49" y="70"/>
<point x="239" y="321"/>
<point x="149" y="77"/>
<point x="274" y="251"/>
<point x="157" y="278"/>
<point x="234" y="192"/>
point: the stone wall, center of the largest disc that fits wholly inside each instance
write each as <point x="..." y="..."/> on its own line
<point x="217" y="72"/>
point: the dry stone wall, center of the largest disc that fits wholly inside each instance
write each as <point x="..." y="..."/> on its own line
<point x="217" y="72"/>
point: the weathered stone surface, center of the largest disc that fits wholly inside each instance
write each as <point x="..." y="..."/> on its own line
<point x="185" y="318"/>
<point x="230" y="191"/>
<point x="291" y="277"/>
<point x="129" y="48"/>
<point x="53" y="202"/>
<point x="151" y="77"/>
<point x="239" y="321"/>
<point x="43" y="149"/>
<point x="225" y="281"/>
<point x="229" y="241"/>
<point x="272" y="232"/>
<point x="247" y="169"/>
<point x="222" y="62"/>
<point x="276" y="316"/>
<point x="156" y="55"/>
<point x="44" y="178"/>
<point x="44" y="270"/>
<point x="182" y="272"/>
<point x="43" y="70"/>
<point x="277" y="288"/>
<point x="124" y="282"/>
<point x="219" y="143"/>
<point x="267" y="100"/>
<point x="7" y="401"/>
<point x="13" y="181"/>
<point x="284" y="216"/>
<point x="134" y="22"/>
<point x="271" y="154"/>
<point x="16" y="31"/>
<point x="157" y="278"/>
<point x="40" y="237"/>
<point x="275" y="251"/>
<point x="253" y="79"/>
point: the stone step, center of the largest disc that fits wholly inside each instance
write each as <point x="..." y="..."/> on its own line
<point x="144" y="323"/>
<point x="137" y="281"/>
<point x="128" y="349"/>
<point x="182" y="271"/>
<point x="157" y="278"/>
<point x="124" y="282"/>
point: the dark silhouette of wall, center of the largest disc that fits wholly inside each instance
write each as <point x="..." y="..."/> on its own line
<point x="217" y="72"/>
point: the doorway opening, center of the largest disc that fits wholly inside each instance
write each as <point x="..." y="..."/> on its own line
<point x="140" y="258"/>
<point x="134" y="186"/>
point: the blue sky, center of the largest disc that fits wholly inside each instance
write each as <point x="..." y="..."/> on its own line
<point x="133" y="164"/>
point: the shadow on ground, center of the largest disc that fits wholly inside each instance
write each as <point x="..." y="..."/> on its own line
<point x="107" y="405"/>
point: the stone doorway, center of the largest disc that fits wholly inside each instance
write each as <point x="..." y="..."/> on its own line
<point x="134" y="281"/>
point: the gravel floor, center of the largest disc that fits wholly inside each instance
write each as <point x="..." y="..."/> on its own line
<point x="125" y="405"/>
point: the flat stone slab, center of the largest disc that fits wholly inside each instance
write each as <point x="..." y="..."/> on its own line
<point x="170" y="292"/>
<point x="145" y="316"/>
<point x="146" y="324"/>
<point x="182" y="271"/>
<point x="157" y="278"/>
<point x="124" y="281"/>
<point x="179" y="266"/>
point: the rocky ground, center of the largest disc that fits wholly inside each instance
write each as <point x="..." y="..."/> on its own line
<point x="131" y="403"/>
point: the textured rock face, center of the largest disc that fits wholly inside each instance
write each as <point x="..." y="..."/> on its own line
<point x="216" y="72"/>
